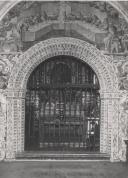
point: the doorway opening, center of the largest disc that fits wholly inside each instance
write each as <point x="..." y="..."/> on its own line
<point x="62" y="106"/>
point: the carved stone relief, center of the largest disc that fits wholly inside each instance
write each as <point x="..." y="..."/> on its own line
<point x="121" y="70"/>
<point x="7" y="61"/>
<point x="2" y="125"/>
<point x="122" y="73"/>
<point x="123" y="123"/>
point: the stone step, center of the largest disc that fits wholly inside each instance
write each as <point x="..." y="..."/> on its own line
<point x="62" y="156"/>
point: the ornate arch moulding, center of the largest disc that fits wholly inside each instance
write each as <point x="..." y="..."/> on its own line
<point x="26" y="63"/>
<point x="101" y="64"/>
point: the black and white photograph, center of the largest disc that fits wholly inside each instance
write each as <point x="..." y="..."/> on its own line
<point x="63" y="89"/>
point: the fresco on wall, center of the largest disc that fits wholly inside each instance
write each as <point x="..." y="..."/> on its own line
<point x="29" y="22"/>
<point x="107" y="19"/>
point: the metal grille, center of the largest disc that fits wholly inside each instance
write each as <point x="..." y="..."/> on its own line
<point x="62" y="106"/>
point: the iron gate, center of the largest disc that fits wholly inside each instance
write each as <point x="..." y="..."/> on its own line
<point x="62" y="106"/>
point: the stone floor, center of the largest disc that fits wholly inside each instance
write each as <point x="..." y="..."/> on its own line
<point x="63" y="169"/>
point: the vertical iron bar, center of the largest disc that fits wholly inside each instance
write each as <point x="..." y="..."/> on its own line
<point x="85" y="122"/>
<point x="70" y="116"/>
<point x="75" y="121"/>
<point x="89" y="115"/>
<point x="49" y="115"/>
<point x="55" y="92"/>
<point x="43" y="119"/>
<point x="79" y="129"/>
<point x="30" y="120"/>
<point x="29" y="117"/>
<point x="75" y="116"/>
<point x="66" y="117"/>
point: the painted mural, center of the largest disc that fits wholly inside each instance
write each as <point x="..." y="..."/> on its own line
<point x="29" y="22"/>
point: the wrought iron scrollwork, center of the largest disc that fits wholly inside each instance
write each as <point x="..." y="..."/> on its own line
<point x="63" y="106"/>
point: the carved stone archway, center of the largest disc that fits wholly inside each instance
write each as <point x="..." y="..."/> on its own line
<point x="26" y="63"/>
